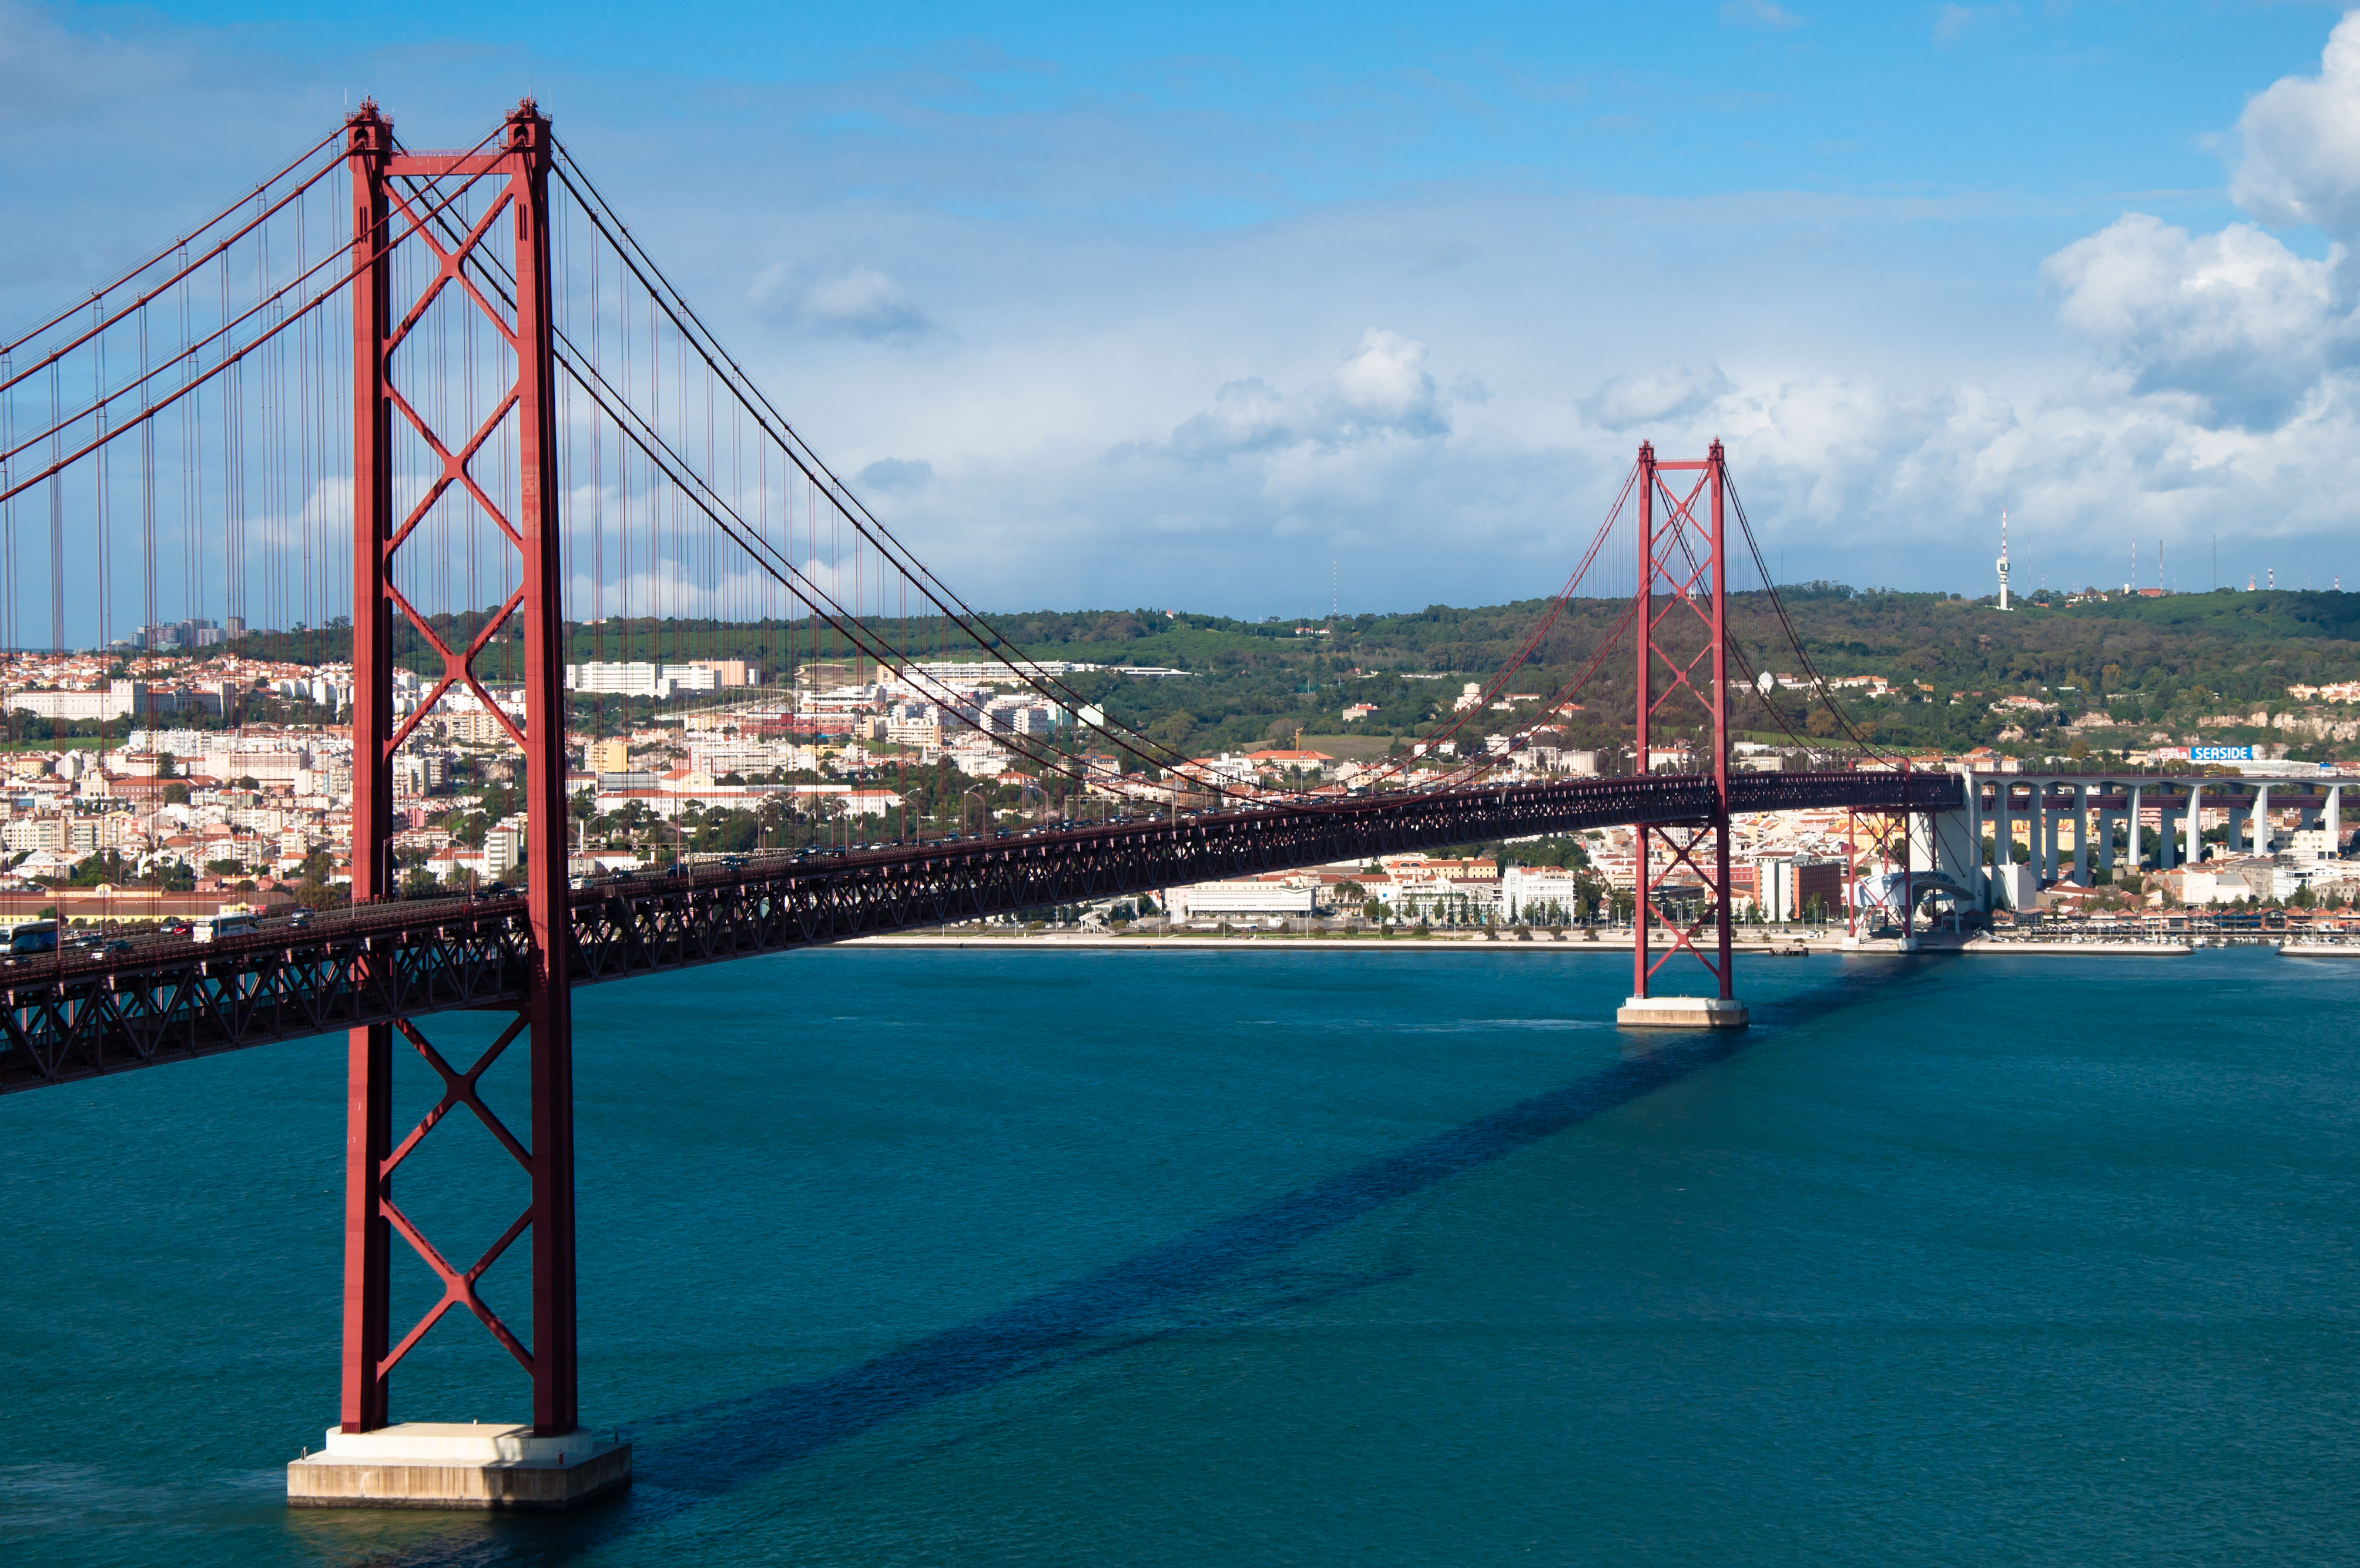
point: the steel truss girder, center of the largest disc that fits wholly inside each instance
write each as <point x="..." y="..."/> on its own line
<point x="71" y="1020"/>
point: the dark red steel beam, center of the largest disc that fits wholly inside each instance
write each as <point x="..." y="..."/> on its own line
<point x="368" y="1065"/>
<point x="1684" y="567"/>
<point x="548" y="999"/>
<point x="1642" y="911"/>
<point x="532" y="965"/>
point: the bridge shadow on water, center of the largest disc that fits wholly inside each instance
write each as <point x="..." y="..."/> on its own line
<point x="690" y="1456"/>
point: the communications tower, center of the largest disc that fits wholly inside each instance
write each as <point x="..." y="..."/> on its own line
<point x="2003" y="560"/>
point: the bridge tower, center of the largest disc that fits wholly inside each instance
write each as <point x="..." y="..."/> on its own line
<point x="1682" y="641"/>
<point x="494" y="262"/>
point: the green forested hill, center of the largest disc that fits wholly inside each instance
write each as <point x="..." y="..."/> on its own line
<point x="2160" y="663"/>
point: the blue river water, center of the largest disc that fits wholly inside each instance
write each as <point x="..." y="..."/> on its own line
<point x="906" y="1257"/>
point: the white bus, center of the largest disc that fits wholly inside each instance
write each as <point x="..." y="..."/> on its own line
<point x="212" y="928"/>
<point x="28" y="937"/>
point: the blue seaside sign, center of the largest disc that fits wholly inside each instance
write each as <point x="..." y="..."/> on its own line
<point x="2220" y="754"/>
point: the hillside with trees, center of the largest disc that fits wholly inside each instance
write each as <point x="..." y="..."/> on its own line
<point x="2106" y="671"/>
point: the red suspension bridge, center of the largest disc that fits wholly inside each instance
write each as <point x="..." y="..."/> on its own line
<point x="547" y="444"/>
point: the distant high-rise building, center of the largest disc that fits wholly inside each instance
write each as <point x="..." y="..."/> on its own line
<point x="169" y="636"/>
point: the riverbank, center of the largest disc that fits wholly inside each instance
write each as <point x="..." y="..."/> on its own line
<point x="2096" y="948"/>
<point x="1616" y="944"/>
<point x="1038" y="943"/>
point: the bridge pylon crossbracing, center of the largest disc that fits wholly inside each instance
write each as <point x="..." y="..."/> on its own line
<point x="522" y="416"/>
<point x="1682" y="645"/>
<point x="463" y="359"/>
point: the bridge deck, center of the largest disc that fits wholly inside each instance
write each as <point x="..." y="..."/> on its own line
<point x="69" y="1016"/>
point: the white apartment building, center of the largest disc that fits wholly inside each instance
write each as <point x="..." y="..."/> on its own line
<point x="503" y="849"/>
<point x="76" y="835"/>
<point x="956" y="675"/>
<point x="1242" y="900"/>
<point x="117" y="699"/>
<point x="1227" y="768"/>
<point x="661" y="681"/>
<point x="748" y="758"/>
<point x="420" y="771"/>
<point x="2311" y="844"/>
<point x="1539" y="892"/>
<point x="1463" y="902"/>
<point x="324" y="690"/>
<point x="979" y="764"/>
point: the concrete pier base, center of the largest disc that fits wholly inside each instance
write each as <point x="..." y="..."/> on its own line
<point x="1681" y="1012"/>
<point x="453" y="1464"/>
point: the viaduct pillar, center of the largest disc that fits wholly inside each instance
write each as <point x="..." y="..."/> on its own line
<point x="2044" y="832"/>
<point x="2082" y="834"/>
<point x="2107" y="832"/>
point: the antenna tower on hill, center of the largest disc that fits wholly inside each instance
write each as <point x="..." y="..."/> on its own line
<point x="2003" y="560"/>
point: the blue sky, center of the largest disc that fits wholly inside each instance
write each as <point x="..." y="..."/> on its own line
<point x="1127" y="306"/>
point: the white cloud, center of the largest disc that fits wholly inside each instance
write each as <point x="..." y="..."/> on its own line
<point x="1645" y="397"/>
<point x="1759" y="14"/>
<point x="2302" y="142"/>
<point x="1381" y="392"/>
<point x="1954" y="22"/>
<point x="896" y="474"/>
<point x="861" y="302"/>
<point x="2233" y="317"/>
